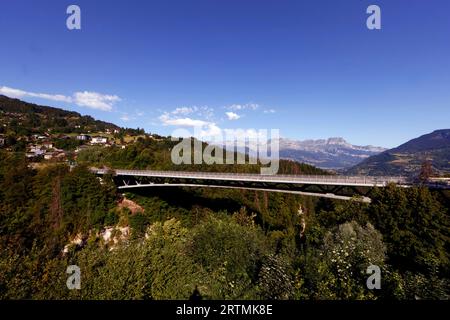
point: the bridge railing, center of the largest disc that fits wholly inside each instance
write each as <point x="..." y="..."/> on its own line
<point x="365" y="180"/>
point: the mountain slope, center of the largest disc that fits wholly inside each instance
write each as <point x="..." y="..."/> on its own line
<point x="407" y="158"/>
<point x="34" y="117"/>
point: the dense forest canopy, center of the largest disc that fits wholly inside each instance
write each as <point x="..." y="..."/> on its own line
<point x="228" y="244"/>
<point x="150" y="153"/>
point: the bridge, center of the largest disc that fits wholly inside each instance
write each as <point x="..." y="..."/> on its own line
<point x="334" y="187"/>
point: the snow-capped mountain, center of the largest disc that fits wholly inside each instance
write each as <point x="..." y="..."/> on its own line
<point x="332" y="153"/>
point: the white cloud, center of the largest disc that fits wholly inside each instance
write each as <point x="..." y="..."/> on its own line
<point x="269" y="111"/>
<point x="232" y="115"/>
<point x="211" y="131"/>
<point x="202" y="128"/>
<point x="17" y="93"/>
<point x="184" y="110"/>
<point x="206" y="112"/>
<point x="179" y="117"/>
<point x="203" y="111"/>
<point x="247" y="106"/>
<point x="235" y="107"/>
<point x="93" y="100"/>
<point x="167" y="120"/>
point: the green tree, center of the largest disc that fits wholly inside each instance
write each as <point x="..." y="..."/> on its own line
<point x="414" y="225"/>
<point x="338" y="269"/>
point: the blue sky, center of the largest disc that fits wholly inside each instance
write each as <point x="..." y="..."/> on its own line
<point x="310" y="68"/>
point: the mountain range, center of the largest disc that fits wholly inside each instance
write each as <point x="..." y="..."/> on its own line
<point x="329" y="154"/>
<point x="332" y="153"/>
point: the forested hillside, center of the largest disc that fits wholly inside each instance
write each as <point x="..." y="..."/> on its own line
<point x="229" y="244"/>
<point x="31" y="118"/>
<point x="150" y="153"/>
<point x="408" y="158"/>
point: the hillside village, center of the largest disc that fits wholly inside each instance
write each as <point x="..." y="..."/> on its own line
<point x="60" y="147"/>
<point x="56" y="135"/>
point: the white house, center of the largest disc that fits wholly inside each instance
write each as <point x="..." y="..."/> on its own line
<point x="99" y="140"/>
<point x="83" y="137"/>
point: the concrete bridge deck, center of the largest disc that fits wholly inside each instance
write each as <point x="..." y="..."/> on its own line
<point x="327" y="186"/>
<point x="357" y="181"/>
